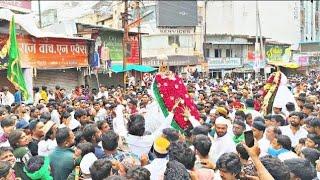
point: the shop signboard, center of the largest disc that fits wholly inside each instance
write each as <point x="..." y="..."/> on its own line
<point x="224" y="63"/>
<point x="50" y="53"/>
<point x="23" y="6"/>
<point x="302" y="60"/>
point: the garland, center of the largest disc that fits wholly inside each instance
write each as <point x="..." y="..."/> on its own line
<point x="163" y="107"/>
<point x="272" y="88"/>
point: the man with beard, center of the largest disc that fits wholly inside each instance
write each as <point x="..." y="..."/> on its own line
<point x="238" y="128"/>
<point x="222" y="142"/>
<point x="92" y="134"/>
<point x="294" y="130"/>
<point x="62" y="158"/>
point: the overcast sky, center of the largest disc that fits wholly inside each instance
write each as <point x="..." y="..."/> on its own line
<point x="55" y="4"/>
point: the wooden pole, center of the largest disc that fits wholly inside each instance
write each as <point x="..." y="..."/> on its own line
<point x="125" y="39"/>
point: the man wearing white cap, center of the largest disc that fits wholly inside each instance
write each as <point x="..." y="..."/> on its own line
<point x="222" y="142"/>
<point x="212" y="116"/>
<point x="85" y="165"/>
<point x="277" y="109"/>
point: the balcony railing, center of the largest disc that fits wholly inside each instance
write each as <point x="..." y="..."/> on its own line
<point x="224" y="63"/>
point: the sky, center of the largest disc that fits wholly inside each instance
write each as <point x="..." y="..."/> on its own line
<point x="55" y="4"/>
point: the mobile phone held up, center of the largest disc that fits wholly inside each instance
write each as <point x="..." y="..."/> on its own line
<point x="248" y="137"/>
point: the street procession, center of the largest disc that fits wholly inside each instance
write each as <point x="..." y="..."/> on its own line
<point x="159" y="90"/>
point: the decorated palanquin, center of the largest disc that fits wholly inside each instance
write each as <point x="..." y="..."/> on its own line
<point x="167" y="89"/>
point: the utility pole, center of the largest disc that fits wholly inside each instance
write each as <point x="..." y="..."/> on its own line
<point x="205" y="29"/>
<point x="39" y="9"/>
<point x="260" y="34"/>
<point x="138" y="9"/>
<point x="125" y="38"/>
<point x="256" y="47"/>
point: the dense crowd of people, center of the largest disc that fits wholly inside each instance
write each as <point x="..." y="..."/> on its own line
<point x="104" y="134"/>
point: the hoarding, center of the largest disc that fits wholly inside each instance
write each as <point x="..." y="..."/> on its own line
<point x="277" y="53"/>
<point x="133" y="58"/>
<point x="113" y="41"/>
<point x="177" y="13"/>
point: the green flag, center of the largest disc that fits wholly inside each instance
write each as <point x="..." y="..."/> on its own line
<point x="14" y="72"/>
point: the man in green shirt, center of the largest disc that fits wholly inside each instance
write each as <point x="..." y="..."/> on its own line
<point x="238" y="129"/>
<point x="61" y="159"/>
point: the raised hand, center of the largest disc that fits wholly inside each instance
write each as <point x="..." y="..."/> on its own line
<point x="176" y="104"/>
<point x="186" y="112"/>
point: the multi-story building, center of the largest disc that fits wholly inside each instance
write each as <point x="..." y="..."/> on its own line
<point x="177" y="39"/>
<point x="310" y="32"/>
<point x="225" y="52"/>
<point x="278" y="20"/>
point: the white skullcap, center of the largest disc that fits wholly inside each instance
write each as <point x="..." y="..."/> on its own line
<point x="277" y="105"/>
<point x="222" y="120"/>
<point x="87" y="162"/>
<point x="212" y="111"/>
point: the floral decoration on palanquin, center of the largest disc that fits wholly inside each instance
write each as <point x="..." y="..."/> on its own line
<point x="171" y="89"/>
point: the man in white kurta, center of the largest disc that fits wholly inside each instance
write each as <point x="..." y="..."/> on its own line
<point x="7" y="97"/>
<point x="222" y="142"/>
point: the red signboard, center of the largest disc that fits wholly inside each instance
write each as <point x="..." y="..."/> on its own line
<point x="51" y="53"/>
<point x="134" y="50"/>
<point x="21" y="6"/>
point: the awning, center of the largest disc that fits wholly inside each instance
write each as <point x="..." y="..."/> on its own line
<point x="27" y="22"/>
<point x="117" y="68"/>
<point x="291" y="65"/>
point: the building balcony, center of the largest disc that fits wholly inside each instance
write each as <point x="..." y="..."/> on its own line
<point x="224" y="62"/>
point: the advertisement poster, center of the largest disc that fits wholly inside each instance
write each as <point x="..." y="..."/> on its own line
<point x="113" y="41"/>
<point x="275" y="53"/>
<point x="133" y="57"/>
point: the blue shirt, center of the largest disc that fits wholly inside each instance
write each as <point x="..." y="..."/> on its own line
<point x="98" y="151"/>
<point x="17" y="97"/>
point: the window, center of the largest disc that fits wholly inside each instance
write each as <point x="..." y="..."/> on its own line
<point x="173" y="39"/>
<point x="217" y="53"/>
<point x="228" y="52"/>
<point x="206" y="52"/>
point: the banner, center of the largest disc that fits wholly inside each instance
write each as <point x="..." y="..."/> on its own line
<point x="277" y="53"/>
<point x="302" y="60"/>
<point x="50" y="53"/>
<point x="133" y="42"/>
<point x="113" y="41"/>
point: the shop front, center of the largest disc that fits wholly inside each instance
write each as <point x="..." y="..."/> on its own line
<point x="50" y="61"/>
<point x="108" y="51"/>
<point x="47" y="59"/>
